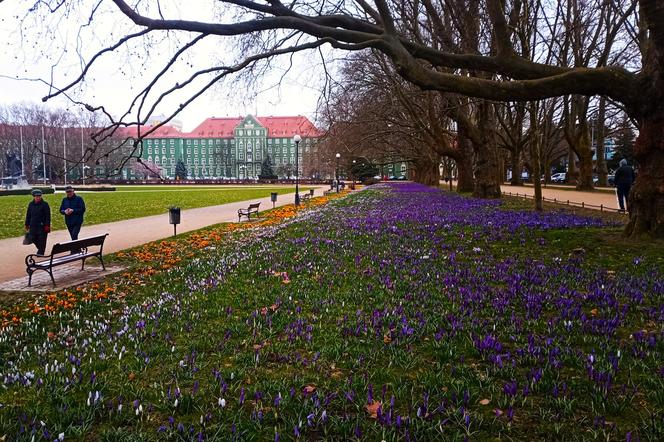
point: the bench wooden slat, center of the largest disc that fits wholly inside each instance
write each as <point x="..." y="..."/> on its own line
<point x="253" y="208"/>
<point x="78" y="250"/>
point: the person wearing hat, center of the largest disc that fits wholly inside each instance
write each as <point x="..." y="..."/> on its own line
<point x="73" y="208"/>
<point x="624" y="178"/>
<point x="38" y="221"/>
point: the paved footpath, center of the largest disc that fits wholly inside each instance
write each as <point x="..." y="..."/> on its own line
<point x="134" y="232"/>
<point x="574" y="196"/>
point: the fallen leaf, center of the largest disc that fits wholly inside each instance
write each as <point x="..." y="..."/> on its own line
<point x="309" y="389"/>
<point x="372" y="409"/>
<point x="387" y="339"/>
<point x="50" y="335"/>
<point x="593" y="312"/>
<point x="132" y="376"/>
<point x="485" y="402"/>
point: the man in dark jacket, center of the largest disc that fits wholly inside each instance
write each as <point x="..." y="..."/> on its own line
<point x="38" y="221"/>
<point x="73" y="208"/>
<point x="624" y="178"/>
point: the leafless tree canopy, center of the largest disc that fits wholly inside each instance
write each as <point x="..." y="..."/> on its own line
<point x="508" y="50"/>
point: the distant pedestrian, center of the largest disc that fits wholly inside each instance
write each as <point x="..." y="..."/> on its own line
<point x="38" y="221"/>
<point x="73" y="208"/>
<point x="624" y="178"/>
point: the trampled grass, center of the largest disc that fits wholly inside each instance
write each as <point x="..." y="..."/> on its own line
<point x="130" y="202"/>
<point x="400" y="313"/>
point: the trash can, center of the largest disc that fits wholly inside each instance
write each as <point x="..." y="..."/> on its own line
<point x="273" y="198"/>
<point x="311" y="192"/>
<point x="174" y="215"/>
<point x="174" y="218"/>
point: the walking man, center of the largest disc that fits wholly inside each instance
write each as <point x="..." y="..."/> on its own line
<point x="624" y="178"/>
<point x="73" y="208"/>
<point x="38" y="221"/>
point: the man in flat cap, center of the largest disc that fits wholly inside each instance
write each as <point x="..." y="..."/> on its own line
<point x="38" y="221"/>
<point x="73" y="208"/>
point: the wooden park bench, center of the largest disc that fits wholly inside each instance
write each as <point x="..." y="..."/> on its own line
<point x="253" y="208"/>
<point x="64" y="253"/>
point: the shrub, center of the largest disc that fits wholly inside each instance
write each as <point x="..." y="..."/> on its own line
<point x="45" y="190"/>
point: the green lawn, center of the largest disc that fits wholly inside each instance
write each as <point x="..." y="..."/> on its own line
<point x="131" y="202"/>
<point x="396" y="313"/>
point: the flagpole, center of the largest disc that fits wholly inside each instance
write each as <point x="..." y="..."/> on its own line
<point x="44" y="154"/>
<point x="20" y="130"/>
<point x="82" y="158"/>
<point x="64" y="149"/>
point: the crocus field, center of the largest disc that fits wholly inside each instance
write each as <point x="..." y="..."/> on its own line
<point x="399" y="312"/>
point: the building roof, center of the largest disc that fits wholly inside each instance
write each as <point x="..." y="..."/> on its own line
<point x="161" y="132"/>
<point x="289" y="126"/>
<point x="215" y="128"/>
<point x="284" y="127"/>
<point x="276" y="127"/>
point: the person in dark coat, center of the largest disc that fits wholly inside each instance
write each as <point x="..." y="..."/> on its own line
<point x="73" y="208"/>
<point x="38" y="221"/>
<point x="624" y="178"/>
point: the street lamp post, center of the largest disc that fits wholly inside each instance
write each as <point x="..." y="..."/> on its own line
<point x="338" y="155"/>
<point x="297" y="138"/>
<point x="353" y="174"/>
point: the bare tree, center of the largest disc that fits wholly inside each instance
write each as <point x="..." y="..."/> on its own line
<point x="502" y="74"/>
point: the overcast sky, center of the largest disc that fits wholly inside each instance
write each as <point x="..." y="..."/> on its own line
<point x="33" y="43"/>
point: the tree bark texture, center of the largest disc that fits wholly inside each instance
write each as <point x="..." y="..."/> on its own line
<point x="486" y="163"/>
<point x="646" y="199"/>
<point x="427" y="171"/>
<point x="515" y="163"/>
<point x="466" y="181"/>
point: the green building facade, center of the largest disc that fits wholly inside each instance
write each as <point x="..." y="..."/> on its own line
<point x="231" y="148"/>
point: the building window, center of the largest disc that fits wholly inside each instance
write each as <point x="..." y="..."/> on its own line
<point x="188" y="151"/>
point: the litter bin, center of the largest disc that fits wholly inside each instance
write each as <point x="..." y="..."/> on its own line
<point x="174" y="218"/>
<point x="311" y="192"/>
<point x="273" y="198"/>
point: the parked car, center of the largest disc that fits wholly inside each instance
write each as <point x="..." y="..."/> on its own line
<point x="559" y="177"/>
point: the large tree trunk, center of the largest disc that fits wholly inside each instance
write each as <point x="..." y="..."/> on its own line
<point x="579" y="140"/>
<point x="535" y="155"/>
<point x="646" y="199"/>
<point x="585" y="180"/>
<point x="427" y="171"/>
<point x="487" y="184"/>
<point x="572" y="172"/>
<point x="515" y="163"/>
<point x="465" y="183"/>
